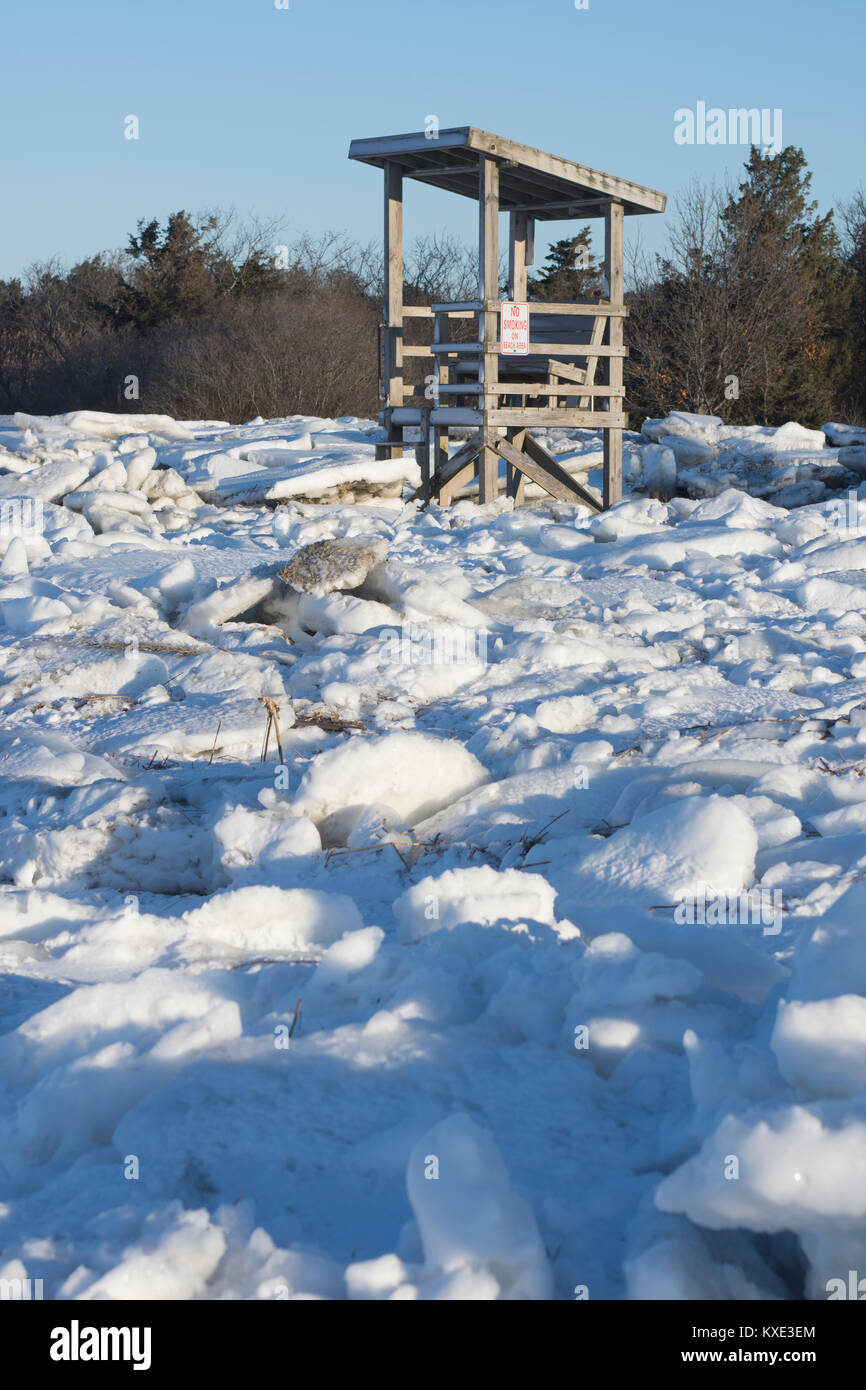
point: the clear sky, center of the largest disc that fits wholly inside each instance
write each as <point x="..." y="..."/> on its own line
<point x="248" y="106"/>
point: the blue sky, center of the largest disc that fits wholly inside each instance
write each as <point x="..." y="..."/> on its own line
<point x="243" y="105"/>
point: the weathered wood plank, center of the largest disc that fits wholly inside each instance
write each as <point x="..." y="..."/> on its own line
<point x="464" y="455"/>
<point x="585" y="311"/>
<point x="517" y="223"/>
<point x="422" y="453"/>
<point x="457" y="306"/>
<point x="561" y="388"/>
<point x="515" y="480"/>
<point x="564" y="371"/>
<point x="592" y="349"/>
<point x="393" y="332"/>
<point x="600" y="350"/>
<point x="535" y="349"/>
<point x="568" y="418"/>
<point x="613" y="267"/>
<point x="546" y="460"/>
<point x="560" y="175"/>
<point x="488" y="319"/>
<point x="567" y="170"/>
<point x="570" y="207"/>
<point x="515" y="484"/>
<point x="538" y="465"/>
<point x="530" y="388"/>
<point x="457" y="483"/>
<point x="382" y="146"/>
<point x="572" y="349"/>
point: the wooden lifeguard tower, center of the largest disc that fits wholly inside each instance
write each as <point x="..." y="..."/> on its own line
<point x="474" y="383"/>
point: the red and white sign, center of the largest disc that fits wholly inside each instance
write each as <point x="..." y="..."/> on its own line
<point x="514" y="328"/>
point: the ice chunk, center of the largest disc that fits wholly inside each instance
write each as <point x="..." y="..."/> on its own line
<point x="111" y="426"/>
<point x="48" y="481"/>
<point x="258" y="839"/>
<point x="794" y="436"/>
<point x="469" y="1219"/>
<point x="377" y="1279"/>
<point x="227" y="602"/>
<point x="15" y="559"/>
<point x="821" y="1046"/>
<point x="413" y="774"/>
<point x="830" y="960"/>
<point x="676" y="851"/>
<point x="566" y="714"/>
<point x="482" y="895"/>
<point x="680" y="422"/>
<point x="174" y="1264"/>
<point x="854" y="457"/>
<point x="269" y="920"/>
<point x="800" y="1169"/>
<point x="139" y="466"/>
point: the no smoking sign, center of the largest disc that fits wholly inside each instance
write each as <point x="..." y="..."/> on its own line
<point x="514" y="328"/>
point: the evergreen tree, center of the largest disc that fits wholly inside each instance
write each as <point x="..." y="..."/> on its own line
<point x="772" y="234"/>
<point x="570" y="272"/>
<point x="181" y="270"/>
<point x="854" y="221"/>
<point x="172" y="275"/>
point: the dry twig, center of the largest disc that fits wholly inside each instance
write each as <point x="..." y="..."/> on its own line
<point x="273" y="710"/>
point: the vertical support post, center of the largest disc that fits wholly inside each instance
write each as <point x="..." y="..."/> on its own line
<point x="440" y="369"/>
<point x="518" y="229"/>
<point x="488" y="293"/>
<point x="423" y="452"/>
<point x="393" y="304"/>
<point x="515" y="481"/>
<point x="613" y="269"/>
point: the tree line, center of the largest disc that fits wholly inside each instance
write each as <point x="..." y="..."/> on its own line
<point x="755" y="310"/>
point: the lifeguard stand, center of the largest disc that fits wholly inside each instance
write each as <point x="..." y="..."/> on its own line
<point x="474" y="384"/>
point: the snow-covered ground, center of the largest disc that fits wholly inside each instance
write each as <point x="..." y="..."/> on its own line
<point x="458" y="994"/>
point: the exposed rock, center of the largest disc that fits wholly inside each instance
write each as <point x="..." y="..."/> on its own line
<point x="327" y="565"/>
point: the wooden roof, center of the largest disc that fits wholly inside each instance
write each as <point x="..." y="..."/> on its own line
<point x="543" y="185"/>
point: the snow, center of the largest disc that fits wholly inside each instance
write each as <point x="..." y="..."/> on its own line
<point x="449" y="995"/>
<point x="791" y="465"/>
<point x="481" y="895"/>
<point x="821" y="1046"/>
<point x="675" y="850"/>
<point x="413" y="774"/>
<point x="480" y="1240"/>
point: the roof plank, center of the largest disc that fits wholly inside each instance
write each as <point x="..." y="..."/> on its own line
<point x="544" y="185"/>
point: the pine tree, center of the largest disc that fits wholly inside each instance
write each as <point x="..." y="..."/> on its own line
<point x="854" y="222"/>
<point x="570" y="272"/>
<point x="172" y="275"/>
<point x="779" y="253"/>
<point x="181" y="270"/>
